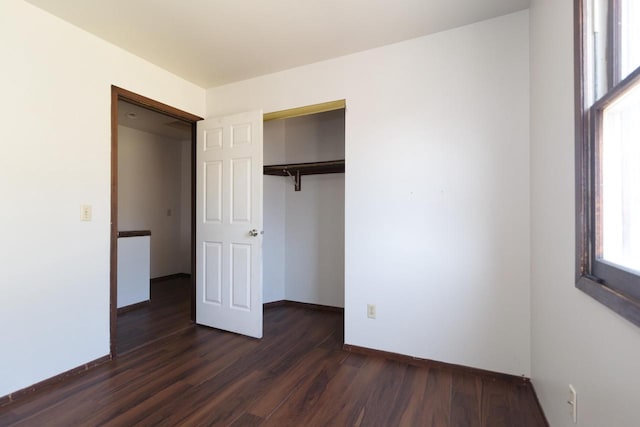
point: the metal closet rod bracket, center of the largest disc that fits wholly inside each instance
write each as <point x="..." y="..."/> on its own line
<point x="296" y="178"/>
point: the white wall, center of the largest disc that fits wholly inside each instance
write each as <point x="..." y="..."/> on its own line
<point x="274" y="215"/>
<point x="315" y="215"/>
<point x="56" y="156"/>
<point x="185" y="208"/>
<point x="315" y="241"/>
<point x="575" y="340"/>
<point x="150" y="183"/>
<point x="315" y="138"/>
<point x="437" y="207"/>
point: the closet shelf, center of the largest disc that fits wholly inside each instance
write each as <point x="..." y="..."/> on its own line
<point x="314" y="168"/>
<point x="296" y="170"/>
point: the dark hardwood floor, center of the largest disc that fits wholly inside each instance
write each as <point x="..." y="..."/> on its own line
<point x="297" y="375"/>
<point x="167" y="313"/>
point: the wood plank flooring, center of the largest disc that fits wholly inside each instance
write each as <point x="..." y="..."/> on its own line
<point x="169" y="311"/>
<point x="297" y="375"/>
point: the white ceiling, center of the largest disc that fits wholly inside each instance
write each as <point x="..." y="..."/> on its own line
<point x="213" y="42"/>
<point x="146" y="120"/>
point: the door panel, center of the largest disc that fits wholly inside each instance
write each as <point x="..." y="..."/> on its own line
<point x="213" y="273"/>
<point x="229" y="209"/>
<point x="213" y="191"/>
<point x="241" y="191"/>
<point x="241" y="276"/>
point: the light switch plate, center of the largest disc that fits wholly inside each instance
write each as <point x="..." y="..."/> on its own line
<point x="85" y="213"/>
<point x="371" y="311"/>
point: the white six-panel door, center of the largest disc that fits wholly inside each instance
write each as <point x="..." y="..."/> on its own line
<point x="229" y="223"/>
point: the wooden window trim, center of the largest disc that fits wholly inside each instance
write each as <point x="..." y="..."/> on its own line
<point x="614" y="37"/>
<point x="615" y="298"/>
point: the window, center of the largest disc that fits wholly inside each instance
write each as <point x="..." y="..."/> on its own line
<point x="607" y="50"/>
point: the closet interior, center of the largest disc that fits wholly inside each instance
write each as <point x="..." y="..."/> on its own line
<point x="303" y="245"/>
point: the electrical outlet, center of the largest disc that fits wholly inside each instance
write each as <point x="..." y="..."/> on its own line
<point x="85" y="213"/>
<point x="371" y="311"/>
<point x="573" y="403"/>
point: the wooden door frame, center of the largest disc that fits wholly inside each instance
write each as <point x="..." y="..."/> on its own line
<point x="119" y="94"/>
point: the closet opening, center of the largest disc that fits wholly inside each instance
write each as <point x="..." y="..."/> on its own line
<point x="303" y="201"/>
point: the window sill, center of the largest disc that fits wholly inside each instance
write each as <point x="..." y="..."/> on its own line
<point x="625" y="306"/>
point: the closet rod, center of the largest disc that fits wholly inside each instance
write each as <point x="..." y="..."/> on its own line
<point x="296" y="170"/>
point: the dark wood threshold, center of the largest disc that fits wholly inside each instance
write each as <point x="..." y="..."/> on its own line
<point x="171" y="277"/>
<point x="134" y="233"/>
<point x="132" y="307"/>
<point x="306" y="305"/>
<point x="153" y="341"/>
<point x="49" y="382"/>
<point x="416" y="361"/>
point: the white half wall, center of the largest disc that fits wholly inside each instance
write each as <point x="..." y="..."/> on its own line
<point x="150" y="196"/>
<point x="436" y="188"/>
<point x="56" y="157"/>
<point x="134" y="263"/>
<point x="575" y="339"/>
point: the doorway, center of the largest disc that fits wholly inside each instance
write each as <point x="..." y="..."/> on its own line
<point x="304" y="177"/>
<point x="153" y="229"/>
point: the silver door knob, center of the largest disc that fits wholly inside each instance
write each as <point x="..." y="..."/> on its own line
<point x="253" y="233"/>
